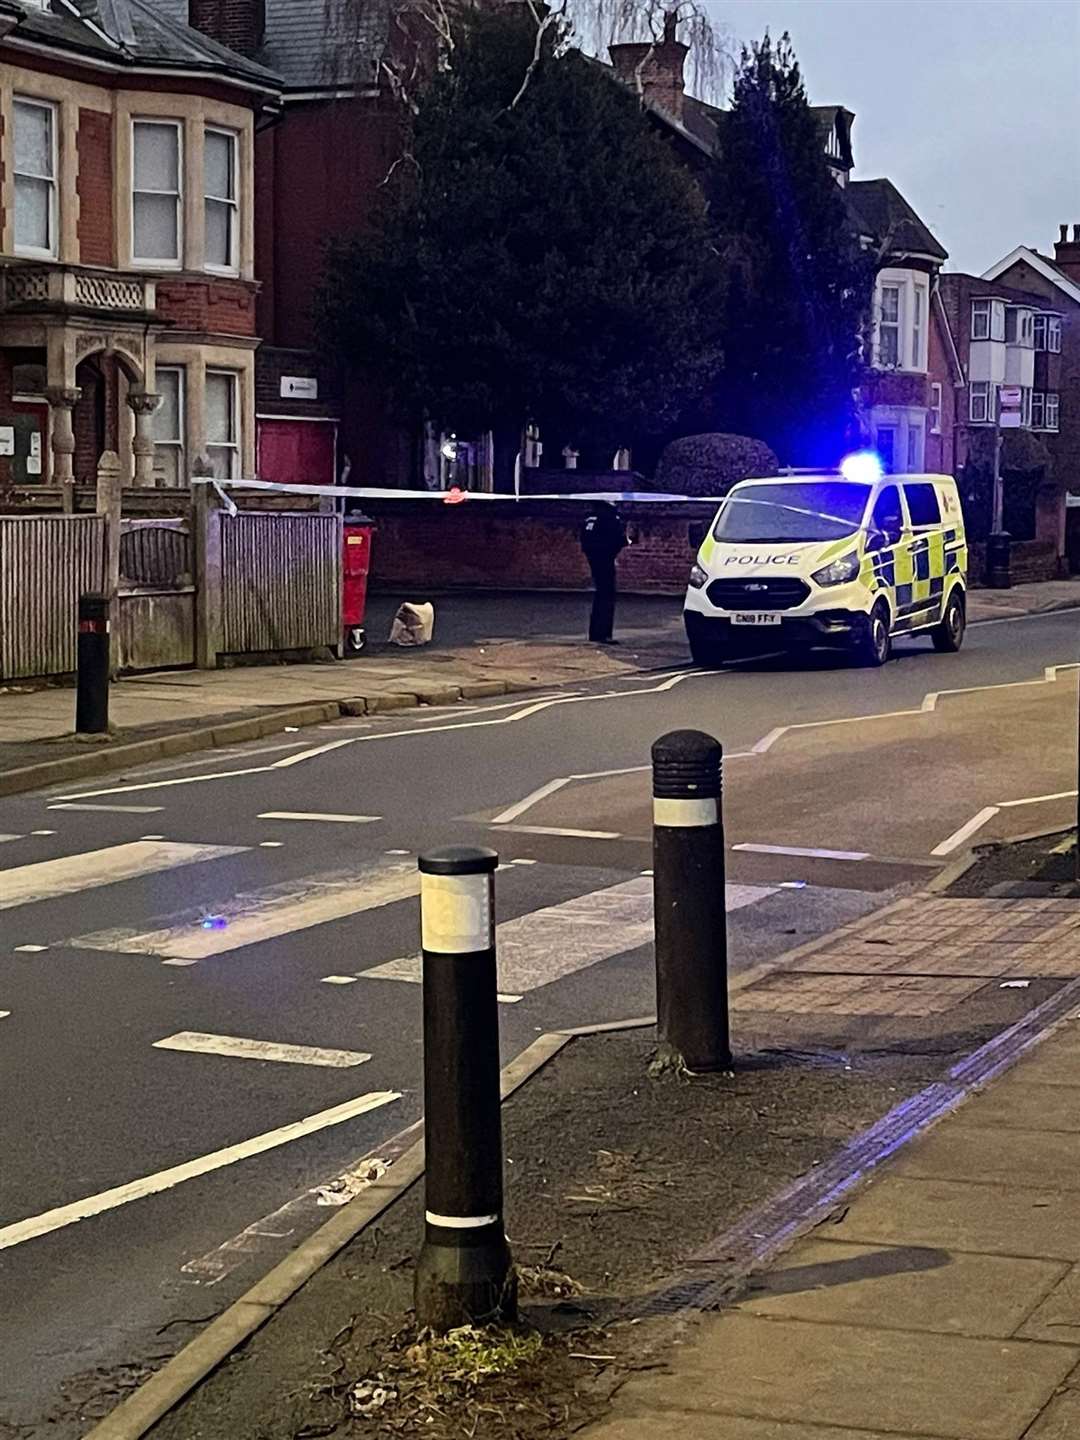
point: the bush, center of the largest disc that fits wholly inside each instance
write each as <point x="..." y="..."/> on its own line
<point x="711" y="464"/>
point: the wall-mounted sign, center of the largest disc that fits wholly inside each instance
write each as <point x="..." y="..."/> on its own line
<point x="7" y="439"/>
<point x="299" y="387"/>
<point x="33" y="460"/>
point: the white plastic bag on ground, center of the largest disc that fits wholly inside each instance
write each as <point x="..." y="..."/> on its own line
<point x="413" y="625"/>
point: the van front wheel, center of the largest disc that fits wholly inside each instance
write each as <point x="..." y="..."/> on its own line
<point x="949" y="635"/>
<point x="873" y="646"/>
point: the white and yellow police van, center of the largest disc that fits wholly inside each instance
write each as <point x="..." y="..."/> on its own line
<point x="847" y="560"/>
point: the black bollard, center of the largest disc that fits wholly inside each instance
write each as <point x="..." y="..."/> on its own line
<point x="999" y="561"/>
<point x="92" y="694"/>
<point x="465" y="1274"/>
<point x="690" y="909"/>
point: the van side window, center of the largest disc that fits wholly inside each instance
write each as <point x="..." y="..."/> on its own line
<point x="923" y="503"/>
<point x="886" y="523"/>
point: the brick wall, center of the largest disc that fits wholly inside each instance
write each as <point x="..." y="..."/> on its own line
<point x="1031" y="561"/>
<point x="236" y="23"/>
<point x="272" y="363"/>
<point x="216" y="307"/>
<point x="887" y="387"/>
<point x="95" y="188"/>
<point x="524" y="547"/>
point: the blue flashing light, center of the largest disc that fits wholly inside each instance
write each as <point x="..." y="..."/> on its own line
<point x="214" y="922"/>
<point x="862" y="467"/>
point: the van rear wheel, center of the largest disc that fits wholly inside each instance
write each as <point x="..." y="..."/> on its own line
<point x="873" y="645"/>
<point x="949" y="635"/>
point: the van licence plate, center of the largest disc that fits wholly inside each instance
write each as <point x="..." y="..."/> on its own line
<point x="755" y="618"/>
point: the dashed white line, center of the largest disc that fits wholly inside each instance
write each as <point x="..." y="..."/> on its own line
<point x="5" y="838"/>
<point x="334" y="979"/>
<point x="42" y="832"/>
<point x="239" y="1048"/>
<point x="566" y="832"/>
<point x="805" y="853"/>
<point x="316" y="815"/>
<point x="4" y="1014"/>
<point x="111" y="809"/>
<point x="31" y="949"/>
<point x="271" y="844"/>
<point x="44" y="1224"/>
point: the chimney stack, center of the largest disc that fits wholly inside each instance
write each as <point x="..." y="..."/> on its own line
<point x="1067" y="252"/>
<point x="655" y="69"/>
<point x="239" y="24"/>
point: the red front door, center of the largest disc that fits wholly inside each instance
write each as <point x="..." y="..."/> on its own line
<point x="297" y="452"/>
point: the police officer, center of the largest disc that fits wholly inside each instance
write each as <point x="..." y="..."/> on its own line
<point x="603" y="535"/>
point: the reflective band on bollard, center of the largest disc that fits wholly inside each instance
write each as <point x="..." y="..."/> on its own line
<point x="92" y="679"/>
<point x="464" y="1274"/>
<point x="690" y="902"/>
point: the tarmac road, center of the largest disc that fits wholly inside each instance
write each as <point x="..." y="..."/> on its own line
<point x="248" y="898"/>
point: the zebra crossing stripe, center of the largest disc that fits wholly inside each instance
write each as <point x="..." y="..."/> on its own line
<point x="48" y="879"/>
<point x="237" y="1047"/>
<point x="264" y="914"/>
<point x="548" y="944"/>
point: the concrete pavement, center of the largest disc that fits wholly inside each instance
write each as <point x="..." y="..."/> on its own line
<point x="944" y="1304"/>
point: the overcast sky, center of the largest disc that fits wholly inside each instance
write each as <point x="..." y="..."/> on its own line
<point x="970" y="107"/>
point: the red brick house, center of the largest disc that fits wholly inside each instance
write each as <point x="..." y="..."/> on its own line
<point x="127" y="243"/>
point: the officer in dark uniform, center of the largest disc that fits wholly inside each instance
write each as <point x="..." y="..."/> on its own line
<point x="603" y="535"/>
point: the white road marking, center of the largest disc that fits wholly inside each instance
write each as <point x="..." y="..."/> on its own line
<point x="271" y="844"/>
<point x="4" y="1014"/>
<point x="112" y="809"/>
<point x="548" y="944"/>
<point x="44" y="1224"/>
<point x="176" y="960"/>
<point x="236" y="1047"/>
<point x="265" y="914"/>
<point x="1015" y="619"/>
<point x="4" y="838"/>
<point x="418" y="731"/>
<point x="957" y="838"/>
<point x="508" y="999"/>
<point x="1037" y="799"/>
<point x="42" y="832"/>
<point x="31" y="949"/>
<point x="566" y="831"/>
<point x="151" y="837"/>
<point x="314" y="815"/>
<point x="805" y="853"/>
<point x="334" y="979"/>
<point x="72" y="873"/>
<point x="543" y="791"/>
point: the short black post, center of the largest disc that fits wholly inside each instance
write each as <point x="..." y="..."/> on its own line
<point x="92" y="694"/>
<point x="464" y="1274"/>
<point x="690" y="910"/>
<point x="999" y="560"/>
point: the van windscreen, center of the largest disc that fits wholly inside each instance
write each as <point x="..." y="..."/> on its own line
<point x="764" y="514"/>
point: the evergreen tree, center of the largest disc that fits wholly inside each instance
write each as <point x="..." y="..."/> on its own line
<point x="799" y="285"/>
<point x="538" y="254"/>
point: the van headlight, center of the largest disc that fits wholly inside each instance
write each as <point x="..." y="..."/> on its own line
<point x="839" y="572"/>
<point x="698" y="577"/>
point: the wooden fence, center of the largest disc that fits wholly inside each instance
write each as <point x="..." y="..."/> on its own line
<point x="46" y="563"/>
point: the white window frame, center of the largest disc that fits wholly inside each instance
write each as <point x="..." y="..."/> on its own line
<point x="50" y="251"/>
<point x="896" y="325"/>
<point x="1025" y="407"/>
<point x="1038" y="331"/>
<point x="935" y="407"/>
<point x="1038" y="406"/>
<point x="984" y="391"/>
<point x="1052" y="412"/>
<point x="918" y="326"/>
<point x="233" y="204"/>
<point x="178" y="126"/>
<point x="980" y="312"/>
<point x="179" y="445"/>
<point x="1053" y="334"/>
<point x="233" y="447"/>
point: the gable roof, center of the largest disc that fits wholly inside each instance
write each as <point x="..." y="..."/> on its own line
<point x="1041" y="265"/>
<point x="137" y="33"/>
<point x="882" y="214"/>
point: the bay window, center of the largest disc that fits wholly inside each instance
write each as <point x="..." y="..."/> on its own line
<point x="888" y="356"/>
<point x="223" y="423"/>
<point x="157" y="193"/>
<point x="979" y="403"/>
<point x="935" y="408"/>
<point x="169" y="426"/>
<point x="35" y="178"/>
<point x="220" y="199"/>
<point x="916" y="329"/>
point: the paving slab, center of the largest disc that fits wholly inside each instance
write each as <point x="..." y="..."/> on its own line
<point x="950" y="1386"/>
<point x="1032" y="1107"/>
<point x="686" y="1425"/>
<point x="954" y="1215"/>
<point x="1058" y="1317"/>
<point x="1056" y="1064"/>
<point x="1059" y="1421"/>
<point x="992" y="1155"/>
<point x="915" y="1287"/>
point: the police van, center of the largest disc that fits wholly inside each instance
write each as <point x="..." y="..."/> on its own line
<point x="849" y="560"/>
